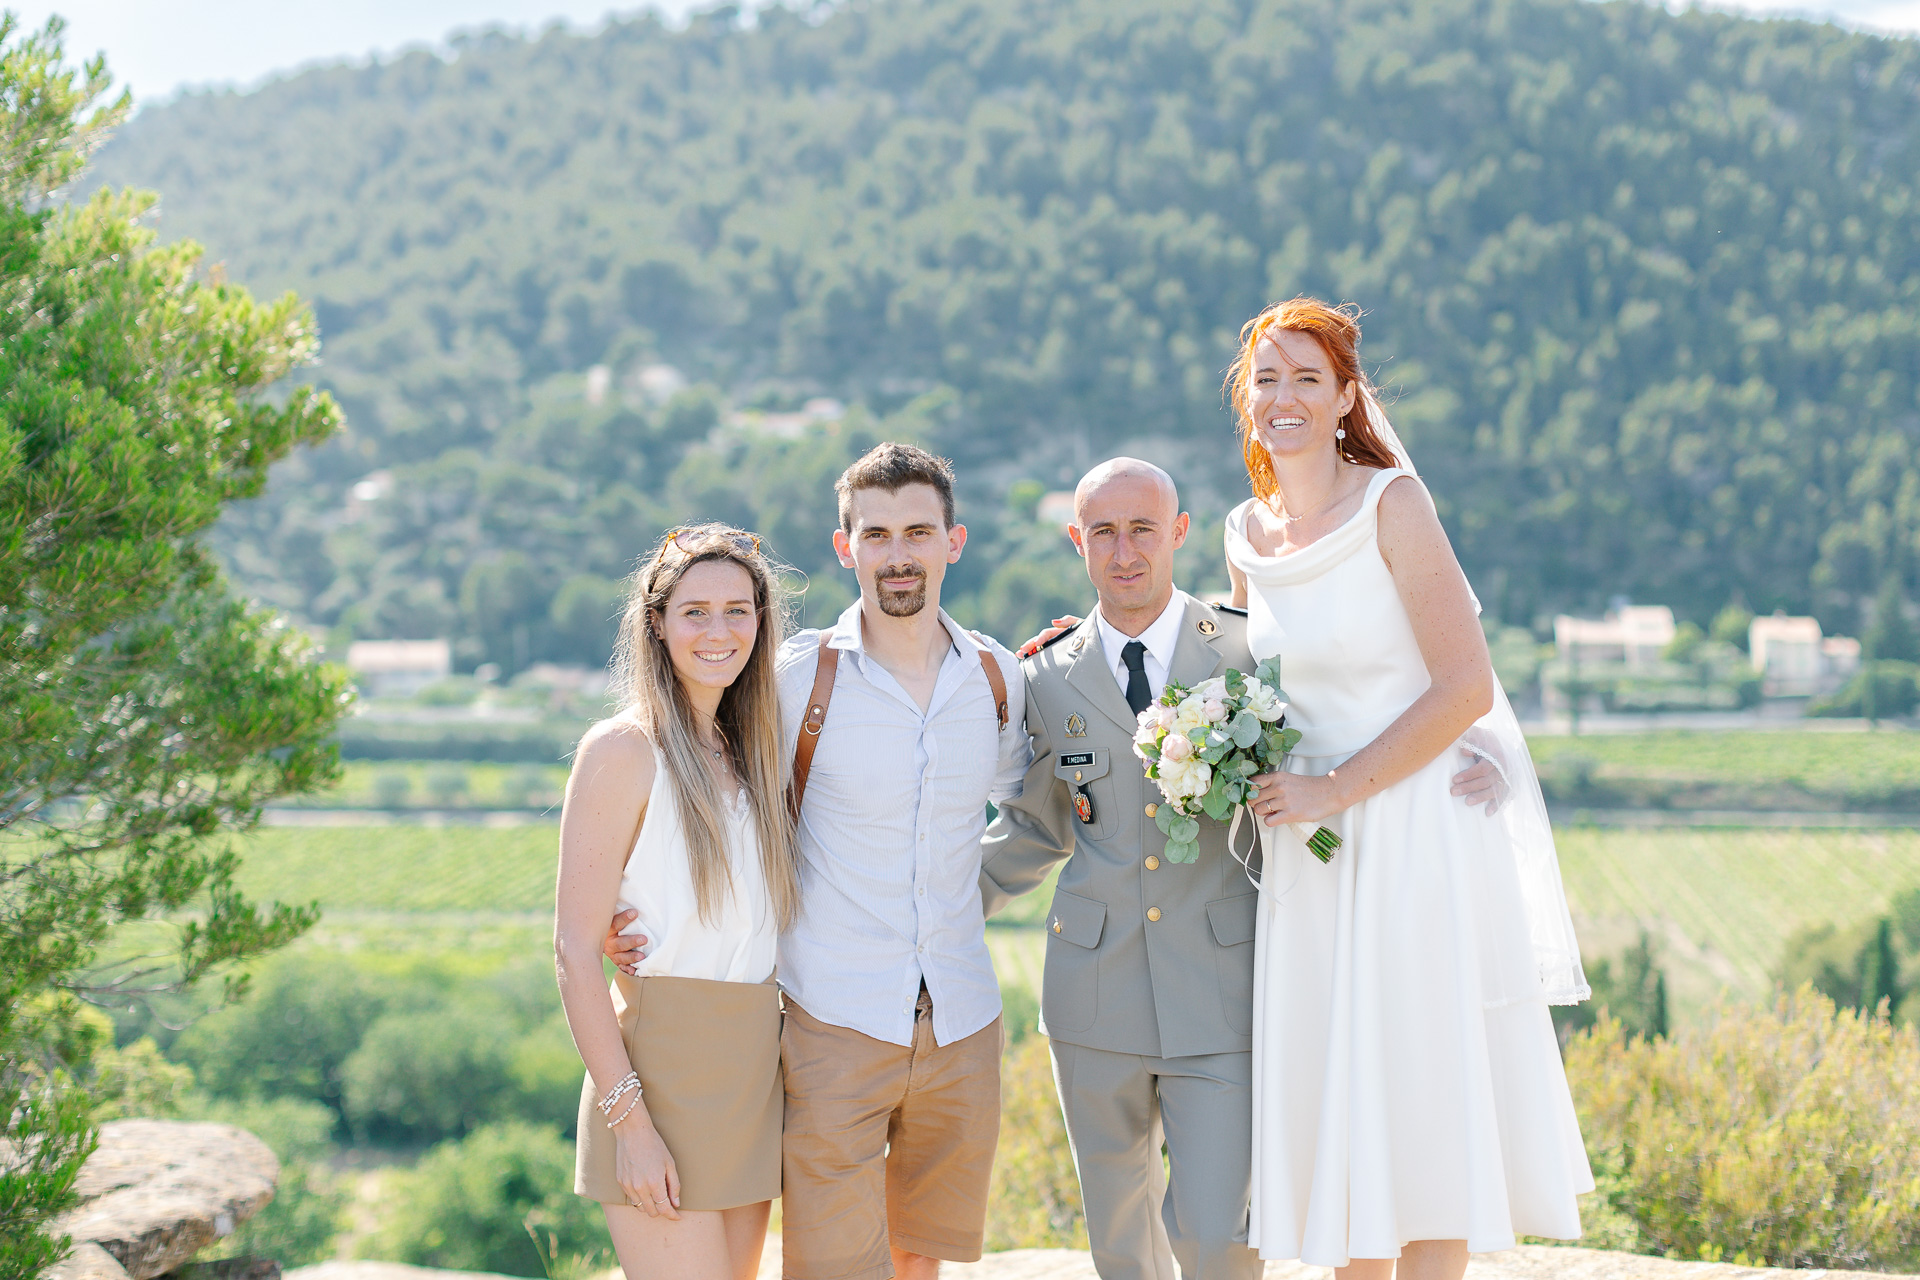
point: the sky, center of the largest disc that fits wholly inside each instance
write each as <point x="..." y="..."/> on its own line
<point x="158" y="47"/>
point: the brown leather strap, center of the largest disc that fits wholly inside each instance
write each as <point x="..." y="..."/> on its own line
<point x="823" y="670"/>
<point x="822" y="695"/>
<point x="997" y="683"/>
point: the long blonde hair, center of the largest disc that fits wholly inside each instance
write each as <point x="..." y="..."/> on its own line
<point x="748" y="718"/>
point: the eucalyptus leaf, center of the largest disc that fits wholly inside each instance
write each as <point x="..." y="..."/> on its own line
<point x="1183" y="850"/>
<point x="1184" y="830"/>
<point x="1164" y="817"/>
<point x="1245" y="729"/>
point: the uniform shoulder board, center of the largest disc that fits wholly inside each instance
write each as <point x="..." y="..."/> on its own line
<point x="1057" y="639"/>
<point x="1227" y="608"/>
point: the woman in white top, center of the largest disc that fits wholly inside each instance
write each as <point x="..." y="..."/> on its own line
<point x="676" y="809"/>
<point x="1409" y="1102"/>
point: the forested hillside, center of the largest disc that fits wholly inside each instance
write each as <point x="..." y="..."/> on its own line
<point x="1646" y="286"/>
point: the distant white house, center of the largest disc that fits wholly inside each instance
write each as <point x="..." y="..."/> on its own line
<point x="1055" y="508"/>
<point x="398" y="668"/>
<point x="1795" y="660"/>
<point x="1635" y="635"/>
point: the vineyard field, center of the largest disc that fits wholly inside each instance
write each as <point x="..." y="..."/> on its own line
<point x="1720" y="904"/>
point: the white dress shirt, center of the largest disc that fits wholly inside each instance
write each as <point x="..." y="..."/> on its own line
<point x="890" y="836"/>
<point x="1160" y="637"/>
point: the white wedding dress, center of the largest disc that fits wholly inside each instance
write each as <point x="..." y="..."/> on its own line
<point x="1406" y="1080"/>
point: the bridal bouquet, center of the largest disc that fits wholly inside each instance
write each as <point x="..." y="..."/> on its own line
<point x="1201" y="745"/>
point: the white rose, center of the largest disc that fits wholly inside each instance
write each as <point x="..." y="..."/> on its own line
<point x="1211" y="690"/>
<point x="1176" y="748"/>
<point x="1145" y="735"/>
<point x="1190" y="714"/>
<point x="1264" y="702"/>
<point x="1190" y="777"/>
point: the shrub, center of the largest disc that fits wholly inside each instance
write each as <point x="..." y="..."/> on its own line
<point x="390" y="788"/>
<point x="290" y="1038"/>
<point x="1855" y="968"/>
<point x="1786" y="1137"/>
<point x="307" y="1212"/>
<point x="426" y="1077"/>
<point x="1035" y="1198"/>
<point x="1635" y="995"/>
<point x="1896" y="691"/>
<point x="470" y="1205"/>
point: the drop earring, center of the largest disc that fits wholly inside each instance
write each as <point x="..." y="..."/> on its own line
<point x="1339" y="433"/>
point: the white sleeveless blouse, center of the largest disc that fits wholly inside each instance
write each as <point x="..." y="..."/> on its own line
<point x="738" y="944"/>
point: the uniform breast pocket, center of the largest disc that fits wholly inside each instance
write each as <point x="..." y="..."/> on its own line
<point x="1090" y="791"/>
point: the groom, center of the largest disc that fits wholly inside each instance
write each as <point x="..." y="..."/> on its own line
<point x="1147" y="996"/>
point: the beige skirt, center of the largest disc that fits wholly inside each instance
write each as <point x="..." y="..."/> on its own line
<point x="708" y="1056"/>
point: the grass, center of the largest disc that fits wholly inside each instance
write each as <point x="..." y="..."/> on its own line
<point x="1720" y="903"/>
<point x="1734" y="769"/>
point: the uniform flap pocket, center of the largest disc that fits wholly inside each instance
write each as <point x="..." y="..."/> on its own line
<point x="1232" y="918"/>
<point x="1080" y="766"/>
<point x="1079" y="920"/>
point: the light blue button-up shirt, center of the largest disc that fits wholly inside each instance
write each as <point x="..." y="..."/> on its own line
<point x="890" y="836"/>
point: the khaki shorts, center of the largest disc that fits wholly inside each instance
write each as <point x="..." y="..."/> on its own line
<point x="883" y="1144"/>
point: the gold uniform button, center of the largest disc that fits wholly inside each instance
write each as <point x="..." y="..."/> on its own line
<point x="1056" y="926"/>
<point x="1153" y="863"/>
<point x="1153" y="913"/>
<point x="1152" y="809"/>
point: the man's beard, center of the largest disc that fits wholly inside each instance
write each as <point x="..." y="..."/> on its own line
<point x="900" y="604"/>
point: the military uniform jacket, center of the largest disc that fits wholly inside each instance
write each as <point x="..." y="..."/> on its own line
<point x="1144" y="955"/>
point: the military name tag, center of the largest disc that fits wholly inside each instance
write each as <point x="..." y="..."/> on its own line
<point x="1076" y="727"/>
<point x="1077" y="760"/>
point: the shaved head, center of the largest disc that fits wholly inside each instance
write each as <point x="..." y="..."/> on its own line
<point x="1117" y="470"/>
<point x="1127" y="523"/>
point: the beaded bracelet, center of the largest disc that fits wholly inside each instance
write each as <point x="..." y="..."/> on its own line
<point x="615" y="1124"/>
<point x="631" y="1081"/>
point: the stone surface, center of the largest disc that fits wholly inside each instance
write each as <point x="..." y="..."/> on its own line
<point x="159" y="1191"/>
<point x="1528" y="1262"/>
<point x="88" y="1261"/>
<point x="382" y="1271"/>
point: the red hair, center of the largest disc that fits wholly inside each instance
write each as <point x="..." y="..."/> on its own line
<point x="1337" y="330"/>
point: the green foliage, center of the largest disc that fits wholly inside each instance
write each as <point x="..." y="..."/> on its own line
<point x="415" y="1078"/>
<point x="1878" y="689"/>
<point x="1733" y="770"/>
<point x="1634" y="996"/>
<point x="309" y="1206"/>
<point x="412" y="1051"/>
<point x="1034" y="1201"/>
<point x="1641" y="281"/>
<point x="1783" y="1137"/>
<point x="469" y="1205"/>
<point x="303" y="1019"/>
<point x="144" y="710"/>
<point x="1892" y="636"/>
<point x="1857" y="968"/>
<point x="1730" y="626"/>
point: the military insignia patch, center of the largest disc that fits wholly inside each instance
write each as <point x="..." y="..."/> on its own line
<point x="1082" y="805"/>
<point x="1208" y="627"/>
<point x="1076" y="727"/>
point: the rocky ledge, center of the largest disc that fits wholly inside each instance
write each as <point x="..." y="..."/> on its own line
<point x="156" y="1192"/>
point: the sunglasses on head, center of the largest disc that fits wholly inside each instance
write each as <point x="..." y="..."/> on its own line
<point x="747" y="544"/>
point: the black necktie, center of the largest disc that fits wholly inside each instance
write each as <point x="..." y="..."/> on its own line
<point x="1139" y="694"/>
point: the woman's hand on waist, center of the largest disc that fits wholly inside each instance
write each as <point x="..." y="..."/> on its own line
<point x="626" y="950"/>
<point x="644" y="1167"/>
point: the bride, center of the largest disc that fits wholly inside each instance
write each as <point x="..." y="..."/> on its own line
<point x="1409" y="1101"/>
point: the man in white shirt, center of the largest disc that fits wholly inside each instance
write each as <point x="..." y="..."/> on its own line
<point x="893" y="1037"/>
